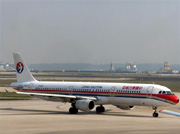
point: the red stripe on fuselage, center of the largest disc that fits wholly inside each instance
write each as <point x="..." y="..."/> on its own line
<point x="171" y="98"/>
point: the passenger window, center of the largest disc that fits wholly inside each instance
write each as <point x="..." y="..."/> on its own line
<point x="160" y="92"/>
<point x="164" y="92"/>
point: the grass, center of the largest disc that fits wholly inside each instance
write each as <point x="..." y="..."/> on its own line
<point x="170" y="83"/>
<point x="173" y="85"/>
<point x="13" y="96"/>
<point x="6" y="83"/>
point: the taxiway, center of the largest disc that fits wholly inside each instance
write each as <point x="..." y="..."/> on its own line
<point x="43" y="117"/>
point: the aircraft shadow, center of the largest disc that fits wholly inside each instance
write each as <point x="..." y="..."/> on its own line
<point x="107" y="113"/>
<point x="35" y="112"/>
<point x="49" y="112"/>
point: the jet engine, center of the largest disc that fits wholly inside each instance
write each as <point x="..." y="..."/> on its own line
<point x="84" y="105"/>
<point x="125" y="107"/>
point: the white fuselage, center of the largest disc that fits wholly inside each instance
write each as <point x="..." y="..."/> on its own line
<point x="107" y="93"/>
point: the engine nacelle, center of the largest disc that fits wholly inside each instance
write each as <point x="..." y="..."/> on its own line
<point x="125" y="107"/>
<point x="84" y="105"/>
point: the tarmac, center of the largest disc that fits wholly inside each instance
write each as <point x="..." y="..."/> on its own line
<point x="43" y="117"/>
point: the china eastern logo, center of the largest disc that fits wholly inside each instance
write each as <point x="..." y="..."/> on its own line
<point x="19" y="67"/>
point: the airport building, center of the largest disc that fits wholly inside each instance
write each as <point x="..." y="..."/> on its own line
<point x="6" y="66"/>
<point x="167" y="69"/>
<point x="130" y="68"/>
<point x="166" y="66"/>
<point x="111" y="67"/>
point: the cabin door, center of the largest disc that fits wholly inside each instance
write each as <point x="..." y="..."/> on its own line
<point x="71" y="90"/>
<point x="112" y="91"/>
<point x="149" y="91"/>
<point x="31" y="85"/>
<point x="20" y="88"/>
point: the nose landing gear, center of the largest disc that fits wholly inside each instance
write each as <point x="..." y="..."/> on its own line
<point x="155" y="114"/>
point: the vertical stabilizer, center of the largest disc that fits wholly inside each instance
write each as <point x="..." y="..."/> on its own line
<point x="22" y="71"/>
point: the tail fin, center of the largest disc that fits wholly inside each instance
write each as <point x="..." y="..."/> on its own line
<point x="22" y="71"/>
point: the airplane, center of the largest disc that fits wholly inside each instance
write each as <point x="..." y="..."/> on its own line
<point x="85" y="96"/>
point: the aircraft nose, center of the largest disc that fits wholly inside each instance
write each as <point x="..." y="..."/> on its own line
<point x="175" y="99"/>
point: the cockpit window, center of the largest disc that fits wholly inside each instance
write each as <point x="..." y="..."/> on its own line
<point x="168" y="92"/>
<point x="165" y="92"/>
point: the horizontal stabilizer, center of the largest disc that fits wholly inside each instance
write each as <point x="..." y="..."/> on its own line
<point x="170" y="112"/>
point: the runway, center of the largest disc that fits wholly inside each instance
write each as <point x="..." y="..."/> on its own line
<point x="43" y="117"/>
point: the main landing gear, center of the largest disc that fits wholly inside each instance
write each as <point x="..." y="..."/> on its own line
<point x="155" y="114"/>
<point x="100" y="109"/>
<point x="73" y="109"/>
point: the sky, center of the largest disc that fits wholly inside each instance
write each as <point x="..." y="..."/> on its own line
<point x="90" y="31"/>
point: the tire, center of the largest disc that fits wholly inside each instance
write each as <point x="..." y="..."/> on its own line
<point x="73" y="110"/>
<point x="155" y="114"/>
<point x="100" y="109"/>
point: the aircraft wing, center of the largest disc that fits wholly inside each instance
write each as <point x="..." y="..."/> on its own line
<point x="170" y="112"/>
<point x="58" y="95"/>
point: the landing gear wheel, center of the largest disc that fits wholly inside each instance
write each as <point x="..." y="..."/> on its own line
<point x="73" y="110"/>
<point x="155" y="114"/>
<point x="100" y="109"/>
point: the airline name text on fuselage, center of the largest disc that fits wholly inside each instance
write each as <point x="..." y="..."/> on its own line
<point x="132" y="87"/>
<point x="91" y="86"/>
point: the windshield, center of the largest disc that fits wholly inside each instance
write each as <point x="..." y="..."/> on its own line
<point x="169" y="92"/>
<point x="166" y="92"/>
